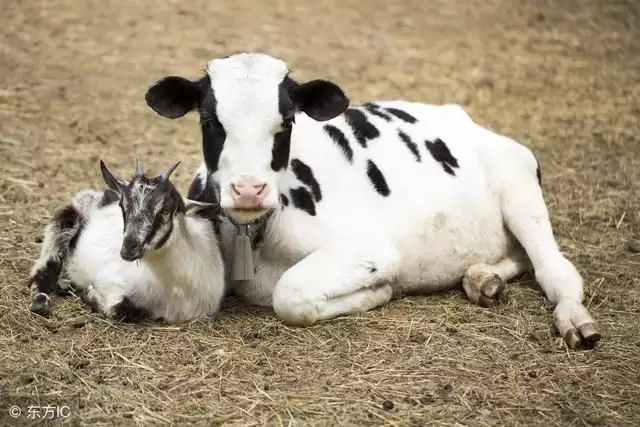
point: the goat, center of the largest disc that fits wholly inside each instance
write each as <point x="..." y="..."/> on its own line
<point x="135" y="251"/>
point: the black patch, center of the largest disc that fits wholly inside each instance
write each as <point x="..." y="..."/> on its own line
<point x="126" y="311"/>
<point x="281" y="149"/>
<point x="108" y="197"/>
<point x="202" y="192"/>
<point x="284" y="200"/>
<point x="205" y="193"/>
<point x="213" y="134"/>
<point x="67" y="217"/>
<point x="304" y="173"/>
<point x="196" y="190"/>
<point x="441" y="154"/>
<point x="376" y="110"/>
<point x="73" y="242"/>
<point x="412" y="146"/>
<point x="165" y="237"/>
<point x="377" y="179"/>
<point x="282" y="140"/>
<point x="402" y="115"/>
<point x="340" y="139"/>
<point x="286" y="95"/>
<point x="302" y="199"/>
<point x="46" y="279"/>
<point x="363" y="130"/>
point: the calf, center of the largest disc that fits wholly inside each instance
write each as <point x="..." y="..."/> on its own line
<point x="134" y="251"/>
<point x="365" y="204"/>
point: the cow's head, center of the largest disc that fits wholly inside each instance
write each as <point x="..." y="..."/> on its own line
<point x="247" y="104"/>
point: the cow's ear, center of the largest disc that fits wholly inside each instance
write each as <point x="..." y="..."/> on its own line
<point x="173" y="97"/>
<point x="321" y="100"/>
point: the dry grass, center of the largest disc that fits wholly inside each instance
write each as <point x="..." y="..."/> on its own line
<point x="560" y="76"/>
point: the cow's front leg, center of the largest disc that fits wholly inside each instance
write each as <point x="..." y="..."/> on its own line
<point x="336" y="280"/>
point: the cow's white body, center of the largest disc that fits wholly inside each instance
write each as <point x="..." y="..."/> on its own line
<point x="431" y="227"/>
<point x="480" y="218"/>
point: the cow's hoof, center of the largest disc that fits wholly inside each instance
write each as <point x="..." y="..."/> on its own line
<point x="576" y="326"/>
<point x="491" y="291"/>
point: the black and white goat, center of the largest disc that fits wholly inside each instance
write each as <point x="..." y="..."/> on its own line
<point x="136" y="250"/>
<point x="371" y="202"/>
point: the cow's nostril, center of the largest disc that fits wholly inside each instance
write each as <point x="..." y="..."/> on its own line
<point x="235" y="190"/>
<point x="260" y="188"/>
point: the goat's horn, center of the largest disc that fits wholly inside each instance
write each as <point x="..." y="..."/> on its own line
<point x="139" y="169"/>
<point x="164" y="176"/>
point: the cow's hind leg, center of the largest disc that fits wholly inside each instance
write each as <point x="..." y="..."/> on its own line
<point x="484" y="284"/>
<point x="526" y="215"/>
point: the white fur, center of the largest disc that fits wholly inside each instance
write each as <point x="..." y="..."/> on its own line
<point x="423" y="237"/>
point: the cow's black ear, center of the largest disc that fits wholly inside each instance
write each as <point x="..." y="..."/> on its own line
<point x="321" y="100"/>
<point x="173" y="97"/>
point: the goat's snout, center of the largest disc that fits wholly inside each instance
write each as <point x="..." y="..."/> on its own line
<point x="248" y="194"/>
<point x="131" y="249"/>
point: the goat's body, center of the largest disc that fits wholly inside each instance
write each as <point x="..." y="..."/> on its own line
<point x="182" y="280"/>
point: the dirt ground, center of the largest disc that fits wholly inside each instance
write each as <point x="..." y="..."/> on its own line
<point x="562" y="77"/>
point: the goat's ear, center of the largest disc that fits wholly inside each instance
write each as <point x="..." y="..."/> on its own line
<point x="321" y="100"/>
<point x="114" y="182"/>
<point x="173" y="97"/>
<point x="202" y="209"/>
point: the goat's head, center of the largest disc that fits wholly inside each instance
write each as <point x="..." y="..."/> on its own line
<point x="247" y="104"/>
<point x="148" y="206"/>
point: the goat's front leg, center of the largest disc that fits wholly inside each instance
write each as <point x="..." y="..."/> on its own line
<point x="335" y="280"/>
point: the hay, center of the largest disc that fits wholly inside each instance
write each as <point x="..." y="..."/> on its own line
<point x="561" y="79"/>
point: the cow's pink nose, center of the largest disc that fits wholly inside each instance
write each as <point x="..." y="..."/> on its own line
<point x="249" y="194"/>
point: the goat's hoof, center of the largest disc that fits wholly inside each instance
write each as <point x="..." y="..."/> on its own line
<point x="41" y="304"/>
<point x="491" y="291"/>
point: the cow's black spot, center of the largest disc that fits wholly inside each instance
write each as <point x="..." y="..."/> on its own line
<point x="213" y="133"/>
<point x="402" y="115"/>
<point x="202" y="191"/>
<point x="341" y="140"/>
<point x="376" y="110"/>
<point x="205" y="192"/>
<point x="301" y="199"/>
<point x="282" y="140"/>
<point x="441" y="154"/>
<point x="284" y="200"/>
<point x="377" y="179"/>
<point x="304" y="173"/>
<point x="126" y="311"/>
<point x="363" y="130"/>
<point x="280" y="150"/>
<point x="412" y="146"/>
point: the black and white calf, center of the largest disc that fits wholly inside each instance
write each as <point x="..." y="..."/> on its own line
<point x="136" y="250"/>
<point x="370" y="202"/>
